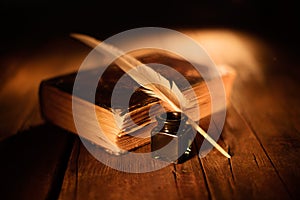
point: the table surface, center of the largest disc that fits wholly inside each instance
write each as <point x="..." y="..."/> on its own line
<point x="261" y="132"/>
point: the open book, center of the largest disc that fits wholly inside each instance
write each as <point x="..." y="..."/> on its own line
<point x="125" y="128"/>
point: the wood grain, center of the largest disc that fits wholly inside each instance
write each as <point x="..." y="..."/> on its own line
<point x="249" y="173"/>
<point x="271" y="121"/>
<point x="261" y="133"/>
<point x="87" y="178"/>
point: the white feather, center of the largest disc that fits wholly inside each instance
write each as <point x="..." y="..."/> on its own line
<point x="155" y="84"/>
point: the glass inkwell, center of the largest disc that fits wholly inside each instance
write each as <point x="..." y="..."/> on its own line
<point x="172" y="138"/>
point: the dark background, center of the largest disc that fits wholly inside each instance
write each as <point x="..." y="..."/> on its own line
<point x="29" y="23"/>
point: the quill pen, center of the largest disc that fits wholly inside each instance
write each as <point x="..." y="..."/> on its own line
<point x="145" y="76"/>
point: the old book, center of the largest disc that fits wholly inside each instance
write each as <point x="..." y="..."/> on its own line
<point x="56" y="101"/>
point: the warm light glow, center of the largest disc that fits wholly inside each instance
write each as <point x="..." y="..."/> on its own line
<point x="239" y="50"/>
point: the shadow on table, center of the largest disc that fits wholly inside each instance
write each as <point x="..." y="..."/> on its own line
<point x="33" y="163"/>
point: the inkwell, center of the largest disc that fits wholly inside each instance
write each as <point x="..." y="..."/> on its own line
<point x="172" y="138"/>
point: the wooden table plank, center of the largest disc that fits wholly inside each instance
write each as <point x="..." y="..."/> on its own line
<point x="249" y="173"/>
<point x="273" y="115"/>
<point x="87" y="178"/>
<point x="190" y="179"/>
<point x="261" y="131"/>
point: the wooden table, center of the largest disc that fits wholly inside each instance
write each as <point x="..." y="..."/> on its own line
<point x="39" y="160"/>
